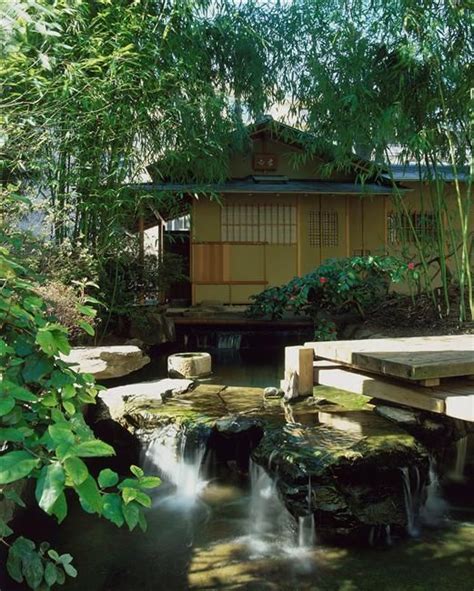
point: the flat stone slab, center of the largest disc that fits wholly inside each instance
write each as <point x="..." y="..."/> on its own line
<point x="107" y="362"/>
<point x="142" y="395"/>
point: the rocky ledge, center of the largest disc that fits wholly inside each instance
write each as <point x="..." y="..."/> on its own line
<point x="107" y="362"/>
<point x="355" y="471"/>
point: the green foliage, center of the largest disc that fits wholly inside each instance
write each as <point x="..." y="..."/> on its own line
<point x="367" y="76"/>
<point x="45" y="435"/>
<point x="336" y="286"/>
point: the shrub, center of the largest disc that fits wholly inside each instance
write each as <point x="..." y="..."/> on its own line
<point x="338" y="285"/>
<point x="65" y="303"/>
<point x="46" y="438"/>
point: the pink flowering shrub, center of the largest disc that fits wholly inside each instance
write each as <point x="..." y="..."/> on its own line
<point x="338" y="285"/>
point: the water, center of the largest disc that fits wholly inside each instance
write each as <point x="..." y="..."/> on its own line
<point x="460" y="463"/>
<point x="412" y="493"/>
<point x="435" y="509"/>
<point x="168" y="454"/>
<point x="229" y="341"/>
<point x="271" y="527"/>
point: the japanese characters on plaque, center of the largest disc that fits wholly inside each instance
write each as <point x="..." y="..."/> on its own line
<point x="265" y="162"/>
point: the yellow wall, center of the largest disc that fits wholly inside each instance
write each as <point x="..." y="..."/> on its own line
<point x="206" y="221"/>
<point x="241" y="270"/>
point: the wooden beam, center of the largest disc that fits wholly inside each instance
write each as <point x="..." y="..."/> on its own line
<point x="299" y="361"/>
<point x="454" y="399"/>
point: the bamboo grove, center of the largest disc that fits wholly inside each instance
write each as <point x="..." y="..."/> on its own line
<point x="94" y="90"/>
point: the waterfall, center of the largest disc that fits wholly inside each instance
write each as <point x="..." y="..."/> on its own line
<point x="412" y="493"/>
<point x="272" y="528"/>
<point x="177" y="461"/>
<point x="460" y="463"/>
<point x="435" y="507"/>
<point x="306" y="526"/>
<point x="271" y="525"/>
<point x="229" y="341"/>
<point x="306" y="531"/>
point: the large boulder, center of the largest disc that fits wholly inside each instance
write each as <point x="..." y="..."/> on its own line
<point x="352" y="481"/>
<point x="107" y="362"/>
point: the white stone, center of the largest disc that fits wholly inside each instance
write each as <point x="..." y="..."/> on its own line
<point x="107" y="362"/>
<point x="117" y="398"/>
<point x="189" y="365"/>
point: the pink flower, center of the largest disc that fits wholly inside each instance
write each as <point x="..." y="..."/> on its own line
<point x="411" y="266"/>
<point x="323" y="280"/>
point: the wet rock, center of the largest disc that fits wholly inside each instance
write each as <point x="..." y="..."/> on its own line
<point x="107" y="362"/>
<point x="273" y="393"/>
<point x="351" y="480"/>
<point x="122" y="400"/>
<point x="434" y="430"/>
<point x="234" y="438"/>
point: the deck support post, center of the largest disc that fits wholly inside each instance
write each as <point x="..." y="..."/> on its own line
<point x="299" y="363"/>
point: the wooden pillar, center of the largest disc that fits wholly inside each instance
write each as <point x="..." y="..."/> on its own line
<point x="299" y="363"/>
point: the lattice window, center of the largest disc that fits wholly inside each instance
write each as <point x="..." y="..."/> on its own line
<point x="323" y="228"/>
<point x="275" y="224"/>
<point x="400" y="227"/>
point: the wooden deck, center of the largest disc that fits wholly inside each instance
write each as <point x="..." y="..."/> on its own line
<point x="417" y="358"/>
<point x="428" y="373"/>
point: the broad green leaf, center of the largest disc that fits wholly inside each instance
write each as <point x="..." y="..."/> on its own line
<point x="69" y="407"/>
<point x="107" y="478"/>
<point x="49" y="486"/>
<point x="13" y="434"/>
<point x="76" y="470"/>
<point x="61" y="577"/>
<point x="7" y="403"/>
<point x="65" y="559"/>
<point x="61" y="433"/>
<point x="17" y="391"/>
<point x="87" y="310"/>
<point x="136" y="471"/>
<point x="59" y="509"/>
<point x="36" y="367"/>
<point x="14" y="565"/>
<point x="149" y="481"/>
<point x="86" y="327"/>
<point x="89" y="495"/>
<point x="112" y="509"/>
<point x="131" y="512"/>
<point x="92" y="449"/>
<point x="33" y="570"/>
<point x="53" y="554"/>
<point x="50" y="574"/>
<point x="15" y="465"/>
<point x="52" y="339"/>
<point x="68" y="391"/>
<point x="133" y="494"/>
<point x="70" y="570"/>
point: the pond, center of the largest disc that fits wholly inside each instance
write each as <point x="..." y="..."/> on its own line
<point x="218" y="538"/>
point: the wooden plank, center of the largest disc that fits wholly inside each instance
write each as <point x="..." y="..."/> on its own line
<point x="299" y="361"/>
<point x="456" y="399"/>
<point x="373" y="387"/>
<point x="415" y="358"/>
